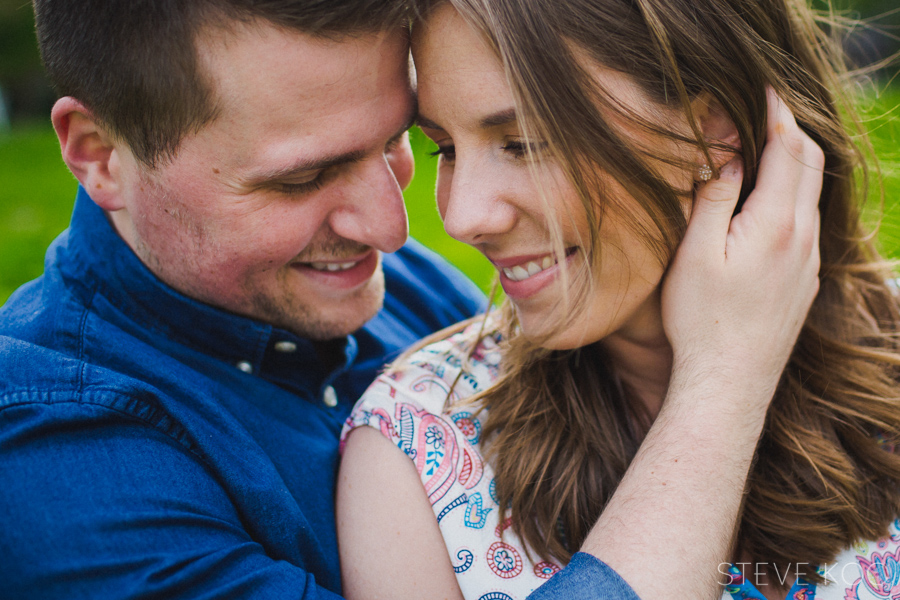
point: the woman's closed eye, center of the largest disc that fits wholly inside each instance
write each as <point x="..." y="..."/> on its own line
<point x="518" y="149"/>
<point x="448" y="153"/>
<point x="521" y="148"/>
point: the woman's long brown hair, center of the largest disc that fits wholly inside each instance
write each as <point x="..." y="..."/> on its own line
<point x="562" y="431"/>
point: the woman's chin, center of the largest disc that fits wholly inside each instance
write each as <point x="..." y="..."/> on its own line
<point x="543" y="332"/>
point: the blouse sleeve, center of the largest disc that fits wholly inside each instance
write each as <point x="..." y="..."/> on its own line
<point x="410" y="405"/>
<point x="421" y="406"/>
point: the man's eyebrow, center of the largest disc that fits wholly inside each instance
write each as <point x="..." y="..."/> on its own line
<point x="325" y="162"/>
<point x="309" y="165"/>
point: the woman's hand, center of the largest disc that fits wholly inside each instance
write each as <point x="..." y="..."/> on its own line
<point x="739" y="289"/>
<point x="734" y="301"/>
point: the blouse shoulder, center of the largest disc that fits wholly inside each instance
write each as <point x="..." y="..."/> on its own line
<point x="422" y="406"/>
<point x="868" y="570"/>
<point x="436" y="380"/>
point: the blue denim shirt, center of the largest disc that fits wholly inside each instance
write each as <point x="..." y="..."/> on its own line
<point x="155" y="446"/>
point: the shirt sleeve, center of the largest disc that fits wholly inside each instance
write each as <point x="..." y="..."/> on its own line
<point x="98" y="505"/>
<point x="585" y="578"/>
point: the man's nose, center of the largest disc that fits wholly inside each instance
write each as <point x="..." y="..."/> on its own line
<point x="401" y="161"/>
<point x="372" y="211"/>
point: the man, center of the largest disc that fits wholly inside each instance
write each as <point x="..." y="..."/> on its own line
<point x="173" y="387"/>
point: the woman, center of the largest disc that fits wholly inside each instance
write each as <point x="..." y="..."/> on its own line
<point x="572" y="136"/>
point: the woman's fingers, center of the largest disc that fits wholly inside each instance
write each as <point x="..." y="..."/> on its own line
<point x="789" y="183"/>
<point x="714" y="204"/>
<point x="739" y="289"/>
<point x="811" y="182"/>
<point x="787" y="189"/>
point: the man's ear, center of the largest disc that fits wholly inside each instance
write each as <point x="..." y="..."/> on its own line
<point x="717" y="128"/>
<point x="89" y="151"/>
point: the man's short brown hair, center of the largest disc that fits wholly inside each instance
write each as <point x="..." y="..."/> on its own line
<point x="135" y="65"/>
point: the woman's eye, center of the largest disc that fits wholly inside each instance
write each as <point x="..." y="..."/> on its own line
<point x="448" y="153"/>
<point x="520" y="149"/>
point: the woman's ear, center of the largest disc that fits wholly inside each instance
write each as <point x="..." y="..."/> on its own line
<point x="717" y="128"/>
<point x="90" y="152"/>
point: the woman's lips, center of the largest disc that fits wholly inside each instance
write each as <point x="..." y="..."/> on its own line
<point x="523" y="271"/>
<point x="524" y="276"/>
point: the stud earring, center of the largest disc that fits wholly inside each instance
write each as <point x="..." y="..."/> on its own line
<point x="704" y="172"/>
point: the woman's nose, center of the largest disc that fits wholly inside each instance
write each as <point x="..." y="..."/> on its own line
<point x="476" y="202"/>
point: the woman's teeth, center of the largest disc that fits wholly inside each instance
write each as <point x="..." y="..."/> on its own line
<point x="320" y="266"/>
<point x="529" y="269"/>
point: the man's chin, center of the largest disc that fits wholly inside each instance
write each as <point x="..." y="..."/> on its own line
<point x="337" y="320"/>
<point x="324" y="331"/>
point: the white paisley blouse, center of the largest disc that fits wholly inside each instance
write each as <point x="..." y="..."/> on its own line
<point x="417" y="406"/>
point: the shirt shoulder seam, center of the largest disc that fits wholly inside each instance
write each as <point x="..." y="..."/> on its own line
<point x="129" y="406"/>
<point x="82" y="327"/>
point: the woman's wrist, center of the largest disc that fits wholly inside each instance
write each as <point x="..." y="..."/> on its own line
<point x="723" y="388"/>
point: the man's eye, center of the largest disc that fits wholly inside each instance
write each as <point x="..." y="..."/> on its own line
<point x="393" y="144"/>
<point x="447" y="152"/>
<point x="295" y="189"/>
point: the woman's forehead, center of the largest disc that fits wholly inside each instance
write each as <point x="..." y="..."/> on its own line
<point x="459" y="76"/>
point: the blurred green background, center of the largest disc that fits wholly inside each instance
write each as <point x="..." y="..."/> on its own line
<point x="37" y="191"/>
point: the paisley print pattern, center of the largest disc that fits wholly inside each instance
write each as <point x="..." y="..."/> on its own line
<point x="738" y="588"/>
<point x="869" y="570"/>
<point x="504" y="560"/>
<point x="470" y="427"/>
<point x="467" y="559"/>
<point x="421" y="407"/>
<point x="876" y="568"/>
<point x="546" y="570"/>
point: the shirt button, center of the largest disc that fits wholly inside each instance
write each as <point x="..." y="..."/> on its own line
<point x="245" y="366"/>
<point x="329" y="397"/>
<point x="285" y="346"/>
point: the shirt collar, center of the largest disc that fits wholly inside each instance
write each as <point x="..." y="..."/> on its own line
<point x="98" y="255"/>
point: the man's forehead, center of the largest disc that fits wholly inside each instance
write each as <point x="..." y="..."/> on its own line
<point x="286" y="162"/>
<point x="246" y="54"/>
<point x="284" y="97"/>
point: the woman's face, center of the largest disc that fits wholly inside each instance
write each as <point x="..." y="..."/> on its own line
<point x="488" y="197"/>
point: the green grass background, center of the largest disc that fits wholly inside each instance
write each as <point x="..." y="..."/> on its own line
<point x="37" y="193"/>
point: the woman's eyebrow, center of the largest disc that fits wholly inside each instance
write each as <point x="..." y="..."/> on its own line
<point x="503" y="117"/>
<point x="427" y="123"/>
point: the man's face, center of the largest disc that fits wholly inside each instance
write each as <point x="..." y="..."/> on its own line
<point x="279" y="209"/>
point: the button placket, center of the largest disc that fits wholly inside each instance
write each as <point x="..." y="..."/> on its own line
<point x="285" y="346"/>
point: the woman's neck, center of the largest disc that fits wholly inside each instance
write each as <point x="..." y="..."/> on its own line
<point x="641" y="356"/>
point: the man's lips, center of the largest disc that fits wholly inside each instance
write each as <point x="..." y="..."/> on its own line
<point x="340" y="273"/>
<point x="333" y="266"/>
